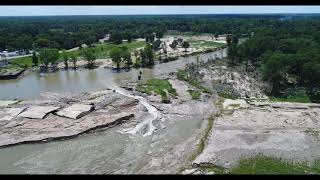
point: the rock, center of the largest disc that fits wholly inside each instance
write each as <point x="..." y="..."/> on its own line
<point x="7" y="114"/>
<point x="38" y="112"/>
<point x="281" y="133"/>
<point x="189" y="171"/>
<point x="234" y="104"/>
<point x="154" y="98"/>
<point x="7" y="103"/>
<point x="76" y="111"/>
<point x="56" y="127"/>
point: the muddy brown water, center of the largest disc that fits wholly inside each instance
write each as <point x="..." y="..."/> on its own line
<point x="101" y="152"/>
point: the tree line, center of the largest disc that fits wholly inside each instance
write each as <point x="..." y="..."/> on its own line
<point x="287" y="58"/>
<point x="66" y="32"/>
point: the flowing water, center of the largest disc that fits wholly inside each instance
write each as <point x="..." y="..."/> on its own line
<point x="105" y="151"/>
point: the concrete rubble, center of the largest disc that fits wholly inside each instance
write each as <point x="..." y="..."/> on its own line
<point x="7" y="114"/>
<point x="38" y="112"/>
<point x="75" y="111"/>
<point x="37" y="123"/>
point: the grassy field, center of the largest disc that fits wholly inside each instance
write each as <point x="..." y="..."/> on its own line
<point x="267" y="165"/>
<point x="101" y="51"/>
<point x="158" y="86"/>
<point x="263" y="165"/>
<point x="301" y="98"/>
<point x="202" y="44"/>
<point x="22" y="61"/>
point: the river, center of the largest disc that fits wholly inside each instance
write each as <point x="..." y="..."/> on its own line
<point x="32" y="84"/>
<point x="101" y="152"/>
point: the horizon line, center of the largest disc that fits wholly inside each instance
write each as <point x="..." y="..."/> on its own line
<point x="266" y="13"/>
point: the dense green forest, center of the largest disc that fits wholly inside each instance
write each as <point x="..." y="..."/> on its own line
<point x="286" y="56"/>
<point x="283" y="49"/>
<point x="65" y="32"/>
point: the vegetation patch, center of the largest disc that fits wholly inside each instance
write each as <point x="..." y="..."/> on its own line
<point x="268" y="165"/>
<point x="185" y="76"/>
<point x="195" y="94"/>
<point x="22" y="61"/>
<point x="313" y="132"/>
<point x="159" y="86"/>
<point x="299" y="96"/>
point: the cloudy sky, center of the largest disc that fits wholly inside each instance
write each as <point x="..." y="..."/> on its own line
<point x="121" y="10"/>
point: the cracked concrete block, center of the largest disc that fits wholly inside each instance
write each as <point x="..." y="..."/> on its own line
<point x="38" y="112"/>
<point x="76" y="111"/>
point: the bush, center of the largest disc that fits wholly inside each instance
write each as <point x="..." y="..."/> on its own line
<point x="293" y="95"/>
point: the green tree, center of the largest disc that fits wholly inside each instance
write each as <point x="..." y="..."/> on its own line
<point x="149" y="53"/>
<point x="34" y="59"/>
<point x="128" y="35"/>
<point x="116" y="37"/>
<point x="126" y="55"/>
<point x="116" y="55"/>
<point x="89" y="55"/>
<point x="185" y="45"/>
<point x="174" y="44"/>
<point x="49" y="56"/>
<point x="143" y="58"/>
<point x="65" y="59"/>
<point x="73" y="59"/>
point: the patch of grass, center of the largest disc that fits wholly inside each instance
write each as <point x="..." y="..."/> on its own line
<point x="195" y="94"/>
<point x="227" y="95"/>
<point x="22" y="61"/>
<point x="159" y="86"/>
<point x="298" y="98"/>
<point x="203" y="44"/>
<point x="184" y="76"/>
<point x="313" y="132"/>
<point x="267" y="165"/>
<point x="102" y="50"/>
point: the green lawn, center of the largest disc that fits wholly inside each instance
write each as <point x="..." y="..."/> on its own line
<point x="101" y="50"/>
<point x="267" y="165"/>
<point x="301" y="98"/>
<point x="22" y="61"/>
<point x="202" y="43"/>
<point x="158" y="86"/>
<point x="264" y="165"/>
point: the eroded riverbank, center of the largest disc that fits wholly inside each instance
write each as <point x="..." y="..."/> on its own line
<point x="168" y="149"/>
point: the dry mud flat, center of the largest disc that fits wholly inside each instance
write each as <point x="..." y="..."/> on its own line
<point x="289" y="131"/>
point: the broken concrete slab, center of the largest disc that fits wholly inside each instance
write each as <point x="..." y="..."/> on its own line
<point x="7" y="103"/>
<point x="38" y="112"/>
<point x="7" y="114"/>
<point x="76" y="111"/>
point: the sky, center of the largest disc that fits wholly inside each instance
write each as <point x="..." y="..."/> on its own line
<point x="133" y="10"/>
